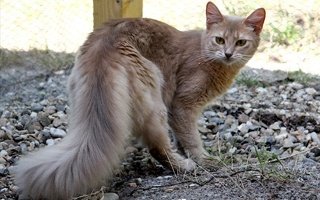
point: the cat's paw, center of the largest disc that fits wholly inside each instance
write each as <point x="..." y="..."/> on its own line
<point x="188" y="165"/>
<point x="197" y="154"/>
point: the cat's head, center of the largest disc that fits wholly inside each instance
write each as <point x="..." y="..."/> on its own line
<point x="230" y="39"/>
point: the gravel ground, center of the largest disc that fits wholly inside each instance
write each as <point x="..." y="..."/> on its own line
<point x="264" y="140"/>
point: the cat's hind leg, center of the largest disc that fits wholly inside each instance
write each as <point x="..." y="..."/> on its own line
<point x="157" y="139"/>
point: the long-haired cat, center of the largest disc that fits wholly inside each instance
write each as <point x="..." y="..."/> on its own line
<point x="141" y="77"/>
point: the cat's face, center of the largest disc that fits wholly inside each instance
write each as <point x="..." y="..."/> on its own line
<point x="232" y="40"/>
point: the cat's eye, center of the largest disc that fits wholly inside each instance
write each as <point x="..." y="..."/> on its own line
<point x="241" y="43"/>
<point x="220" y="40"/>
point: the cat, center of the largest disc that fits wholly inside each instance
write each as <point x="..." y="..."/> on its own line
<point x="140" y="77"/>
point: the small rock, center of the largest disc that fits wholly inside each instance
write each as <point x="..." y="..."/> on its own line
<point x="270" y="141"/>
<point x="36" y="107"/>
<point x="6" y="114"/>
<point x="24" y="148"/>
<point x="134" y="185"/>
<point x="193" y="185"/>
<point x="44" y="119"/>
<point x="232" y="150"/>
<point x="254" y="134"/>
<point x="110" y="196"/>
<point x="275" y="126"/>
<point x="50" y="142"/>
<point x="208" y="143"/>
<point x="61" y="107"/>
<point x="252" y="125"/>
<point x="243" y="118"/>
<point x="2" y="160"/>
<point x="295" y="85"/>
<point x="3" y="135"/>
<point x="261" y="90"/>
<point x="3" y="153"/>
<point x="209" y="114"/>
<point x="138" y="181"/>
<point x="18" y="126"/>
<point x="210" y="136"/>
<point x="232" y="90"/>
<point x="227" y="135"/>
<point x="201" y="121"/>
<point x="3" y="170"/>
<point x="57" y="122"/>
<point x="203" y="129"/>
<point x="34" y="126"/>
<point x="316" y="151"/>
<point x="315" y="137"/>
<point x="57" y="133"/>
<point x="243" y="128"/>
<point x="287" y="143"/>
<point x="50" y="110"/>
<point x="310" y="91"/>
<point x="33" y="115"/>
<point x="281" y="136"/>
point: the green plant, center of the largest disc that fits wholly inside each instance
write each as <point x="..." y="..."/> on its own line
<point x="301" y="77"/>
<point x="248" y="80"/>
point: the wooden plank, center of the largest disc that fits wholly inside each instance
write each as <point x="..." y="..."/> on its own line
<point x="131" y="8"/>
<point x="104" y="10"/>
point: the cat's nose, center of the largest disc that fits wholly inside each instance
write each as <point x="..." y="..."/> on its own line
<point x="228" y="55"/>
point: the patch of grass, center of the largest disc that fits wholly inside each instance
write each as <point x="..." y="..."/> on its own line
<point x="301" y="77"/>
<point x="36" y="58"/>
<point x="10" y="58"/>
<point x="249" y="81"/>
<point x="268" y="165"/>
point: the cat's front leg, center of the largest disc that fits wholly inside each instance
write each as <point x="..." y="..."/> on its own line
<point x="183" y="122"/>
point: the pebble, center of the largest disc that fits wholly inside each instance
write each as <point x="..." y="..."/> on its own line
<point x="3" y="170"/>
<point x="315" y="137"/>
<point x="50" y="110"/>
<point x="36" y="107"/>
<point x="134" y="185"/>
<point x="232" y="90"/>
<point x="204" y="129"/>
<point x="316" y="151"/>
<point x="208" y="143"/>
<point x="2" y="160"/>
<point x="33" y="115"/>
<point x="50" y="142"/>
<point x="311" y="91"/>
<point x="275" y="125"/>
<point x="44" y="119"/>
<point x="287" y="143"/>
<point x="281" y="136"/>
<point x="261" y="90"/>
<point x="243" y="128"/>
<point x="243" y="118"/>
<point x="3" y="153"/>
<point x="295" y="85"/>
<point x="57" y="133"/>
<point x="110" y="196"/>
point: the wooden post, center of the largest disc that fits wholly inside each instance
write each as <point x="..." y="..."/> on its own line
<point x="104" y="10"/>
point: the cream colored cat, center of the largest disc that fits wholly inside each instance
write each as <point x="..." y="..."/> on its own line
<point x="139" y="76"/>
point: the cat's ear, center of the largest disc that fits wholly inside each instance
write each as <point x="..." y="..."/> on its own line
<point x="213" y="14"/>
<point x="256" y="20"/>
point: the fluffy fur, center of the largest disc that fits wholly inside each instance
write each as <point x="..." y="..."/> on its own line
<point x="139" y="76"/>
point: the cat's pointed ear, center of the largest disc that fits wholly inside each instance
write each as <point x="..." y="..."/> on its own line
<point x="213" y="14"/>
<point x="256" y="20"/>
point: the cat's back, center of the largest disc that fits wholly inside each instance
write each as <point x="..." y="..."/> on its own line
<point x="143" y="33"/>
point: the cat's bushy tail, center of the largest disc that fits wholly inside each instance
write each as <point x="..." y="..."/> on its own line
<point x="94" y="144"/>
